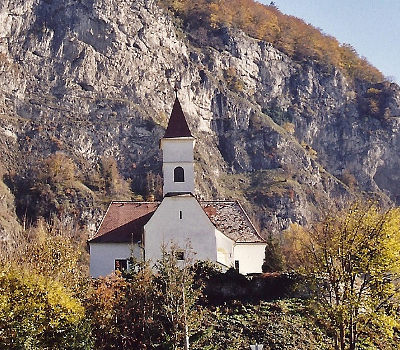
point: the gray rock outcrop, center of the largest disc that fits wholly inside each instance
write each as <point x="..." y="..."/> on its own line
<point x="96" y="78"/>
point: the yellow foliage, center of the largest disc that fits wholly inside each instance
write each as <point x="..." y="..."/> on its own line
<point x="353" y="259"/>
<point x="47" y="250"/>
<point x="114" y="183"/>
<point x="295" y="238"/>
<point x="289" y="127"/>
<point x="57" y="169"/>
<point x="373" y="91"/>
<point x="311" y="151"/>
<point x="38" y="311"/>
<point x="287" y="33"/>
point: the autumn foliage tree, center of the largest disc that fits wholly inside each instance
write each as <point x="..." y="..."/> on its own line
<point x="353" y="263"/>
<point x="41" y="283"/>
<point x="38" y="313"/>
<point x="50" y="250"/>
<point x="125" y="310"/>
<point x="147" y="307"/>
<point x="174" y="282"/>
<point x="48" y="188"/>
<point x="289" y="34"/>
<point x="114" y="183"/>
<point x="57" y="170"/>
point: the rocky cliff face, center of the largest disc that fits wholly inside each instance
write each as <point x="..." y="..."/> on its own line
<point x="95" y="78"/>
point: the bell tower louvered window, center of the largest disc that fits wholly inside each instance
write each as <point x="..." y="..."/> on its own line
<point x="178" y="156"/>
<point x="179" y="174"/>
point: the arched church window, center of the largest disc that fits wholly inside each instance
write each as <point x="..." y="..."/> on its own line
<point x="179" y="174"/>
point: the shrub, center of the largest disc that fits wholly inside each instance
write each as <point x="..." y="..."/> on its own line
<point x="38" y="313"/>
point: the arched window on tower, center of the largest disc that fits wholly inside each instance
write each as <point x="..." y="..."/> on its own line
<point x="179" y="174"/>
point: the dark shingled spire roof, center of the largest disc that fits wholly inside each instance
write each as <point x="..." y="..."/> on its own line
<point x="177" y="126"/>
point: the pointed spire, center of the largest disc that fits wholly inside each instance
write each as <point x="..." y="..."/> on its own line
<point x="177" y="125"/>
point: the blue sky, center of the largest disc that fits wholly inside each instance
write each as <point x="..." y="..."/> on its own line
<point x="372" y="27"/>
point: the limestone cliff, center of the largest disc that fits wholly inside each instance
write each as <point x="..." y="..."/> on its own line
<point x="95" y="78"/>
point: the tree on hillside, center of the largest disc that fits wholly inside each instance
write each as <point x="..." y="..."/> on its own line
<point x="352" y="259"/>
<point x="38" y="313"/>
<point x="51" y="250"/>
<point x="288" y="34"/>
<point x="114" y="183"/>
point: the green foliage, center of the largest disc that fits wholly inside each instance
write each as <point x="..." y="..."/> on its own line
<point x="123" y="311"/>
<point x="178" y="297"/>
<point x="158" y="307"/>
<point x="41" y="283"/>
<point x="289" y="34"/>
<point x="281" y="324"/>
<point x="38" y="313"/>
<point x="352" y="259"/>
<point x="273" y="260"/>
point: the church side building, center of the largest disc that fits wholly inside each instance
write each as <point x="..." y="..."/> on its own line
<point x="219" y="231"/>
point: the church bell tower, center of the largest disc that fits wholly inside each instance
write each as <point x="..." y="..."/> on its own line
<point x="178" y="160"/>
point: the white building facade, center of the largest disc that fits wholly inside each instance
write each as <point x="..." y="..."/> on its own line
<point x="218" y="231"/>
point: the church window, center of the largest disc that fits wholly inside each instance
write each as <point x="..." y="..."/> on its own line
<point x="180" y="255"/>
<point x="179" y="174"/>
<point x="121" y="264"/>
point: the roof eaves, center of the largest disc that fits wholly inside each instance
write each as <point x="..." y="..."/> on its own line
<point x="101" y="223"/>
<point x="176" y="194"/>
<point x="250" y="222"/>
<point x="96" y="235"/>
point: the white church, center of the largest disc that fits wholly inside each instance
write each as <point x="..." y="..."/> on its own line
<point x="219" y="231"/>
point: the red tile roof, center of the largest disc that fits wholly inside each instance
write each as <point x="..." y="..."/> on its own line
<point x="124" y="221"/>
<point x="177" y="125"/>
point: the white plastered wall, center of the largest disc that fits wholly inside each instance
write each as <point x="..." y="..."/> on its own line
<point x="178" y="149"/>
<point x="250" y="256"/>
<point x="224" y="249"/>
<point x="173" y="187"/>
<point x="180" y="220"/>
<point x="178" y="152"/>
<point x="103" y="256"/>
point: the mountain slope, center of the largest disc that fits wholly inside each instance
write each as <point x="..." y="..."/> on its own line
<point x="95" y="80"/>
